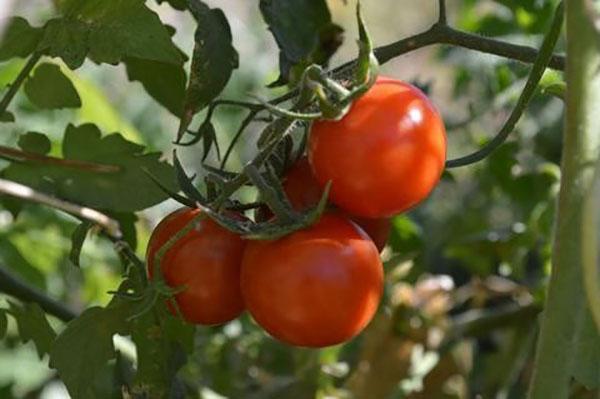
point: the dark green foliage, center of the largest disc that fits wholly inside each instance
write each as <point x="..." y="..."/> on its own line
<point x="50" y="88"/>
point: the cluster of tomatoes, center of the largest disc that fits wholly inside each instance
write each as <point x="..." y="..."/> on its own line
<point x="318" y="286"/>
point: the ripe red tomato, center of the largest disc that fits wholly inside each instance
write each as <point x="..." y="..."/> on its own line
<point x="385" y="155"/>
<point x="304" y="192"/>
<point x="207" y="261"/>
<point x="315" y="287"/>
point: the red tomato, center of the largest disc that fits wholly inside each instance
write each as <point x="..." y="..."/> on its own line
<point x="207" y="261"/>
<point x="385" y="156"/>
<point x="315" y="287"/>
<point x="304" y="192"/>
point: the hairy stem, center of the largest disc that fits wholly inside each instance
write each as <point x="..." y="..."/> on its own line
<point x="565" y="304"/>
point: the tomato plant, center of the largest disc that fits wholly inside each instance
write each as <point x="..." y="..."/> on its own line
<point x="385" y="156"/>
<point x="303" y="191"/>
<point x="204" y="263"/>
<point x="315" y="287"/>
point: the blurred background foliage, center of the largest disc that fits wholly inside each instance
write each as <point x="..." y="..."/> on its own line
<point x="465" y="271"/>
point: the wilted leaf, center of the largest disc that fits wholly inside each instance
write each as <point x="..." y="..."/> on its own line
<point x="213" y="61"/>
<point x="50" y="88"/>
<point x="19" y="39"/>
<point x="107" y="31"/>
<point x="128" y="189"/>
<point x="33" y="326"/>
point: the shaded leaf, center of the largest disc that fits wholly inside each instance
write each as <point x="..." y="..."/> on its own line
<point x="3" y="323"/>
<point x="106" y="31"/>
<point x="126" y="190"/>
<point x="163" y="81"/>
<point x="7" y="116"/>
<point x="49" y="88"/>
<point x="77" y="240"/>
<point x="303" y="31"/>
<point x="37" y="143"/>
<point x="19" y="39"/>
<point x="213" y="61"/>
<point x="185" y="182"/>
<point x="33" y="326"/>
<point x="84" y="348"/>
<point x="127" y="226"/>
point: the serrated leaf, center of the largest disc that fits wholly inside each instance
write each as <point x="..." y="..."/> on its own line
<point x="33" y="326"/>
<point x="163" y="81"/>
<point x="303" y="31"/>
<point x="49" y="88"/>
<point x="126" y="190"/>
<point x="213" y="61"/>
<point x="34" y="142"/>
<point x="586" y="364"/>
<point x="106" y="31"/>
<point x="3" y="323"/>
<point x="7" y="116"/>
<point x="19" y="39"/>
<point x="77" y="240"/>
<point x="84" y="348"/>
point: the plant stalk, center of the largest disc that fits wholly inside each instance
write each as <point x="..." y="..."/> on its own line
<point x="565" y="302"/>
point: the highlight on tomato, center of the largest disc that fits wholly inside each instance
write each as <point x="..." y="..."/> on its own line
<point x="315" y="287"/>
<point x="385" y="155"/>
<point x="206" y="261"/>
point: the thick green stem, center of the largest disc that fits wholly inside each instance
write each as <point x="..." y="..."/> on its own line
<point x="565" y="301"/>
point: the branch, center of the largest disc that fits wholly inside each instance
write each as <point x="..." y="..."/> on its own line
<point x="27" y="193"/>
<point x="13" y="154"/>
<point x="442" y="19"/>
<point x="444" y="34"/>
<point x="14" y="87"/>
<point x="541" y="62"/>
<point x="15" y="287"/>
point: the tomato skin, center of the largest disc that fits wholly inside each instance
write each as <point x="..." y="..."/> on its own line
<point x="315" y="287"/>
<point x="385" y="156"/>
<point x="304" y="192"/>
<point x="207" y="260"/>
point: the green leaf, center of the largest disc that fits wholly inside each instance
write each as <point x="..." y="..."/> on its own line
<point x="127" y="224"/>
<point x="49" y="88"/>
<point x="303" y="31"/>
<point x="84" y="348"/>
<point x="7" y="116"/>
<point x="213" y="61"/>
<point x="19" y="39"/>
<point x="33" y="326"/>
<point x="106" y="31"/>
<point x="126" y="190"/>
<point x="37" y="143"/>
<point x="164" y="82"/>
<point x="586" y="364"/>
<point x="3" y="323"/>
<point x="77" y="240"/>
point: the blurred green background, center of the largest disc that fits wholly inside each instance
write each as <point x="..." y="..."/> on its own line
<point x="478" y="247"/>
